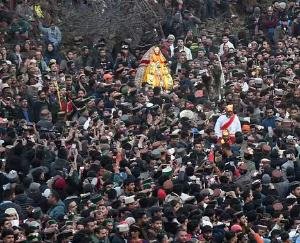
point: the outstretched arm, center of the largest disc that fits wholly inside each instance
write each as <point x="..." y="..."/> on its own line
<point x="42" y="28"/>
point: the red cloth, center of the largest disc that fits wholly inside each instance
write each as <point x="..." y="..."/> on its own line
<point x="161" y="194"/>
<point x="69" y="107"/>
<point x="211" y="156"/>
<point x="227" y="124"/>
<point x="145" y="62"/>
<point x="64" y="105"/>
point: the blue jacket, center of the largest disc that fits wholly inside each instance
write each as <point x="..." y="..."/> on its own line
<point x="269" y="122"/>
<point x="58" y="211"/>
<point x="52" y="35"/>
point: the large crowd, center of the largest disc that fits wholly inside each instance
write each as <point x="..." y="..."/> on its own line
<point x="89" y="154"/>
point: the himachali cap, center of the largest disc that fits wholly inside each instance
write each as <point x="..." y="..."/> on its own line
<point x="147" y="183"/>
<point x="123" y="227"/>
<point x="188" y="114"/>
<point x="130" y="220"/>
<point x="185" y="197"/>
<point x="206" y="225"/>
<point x="171" y="37"/>
<point x="128" y="200"/>
<point x="167" y="171"/>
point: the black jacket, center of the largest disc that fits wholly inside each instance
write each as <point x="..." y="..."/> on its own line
<point x="24" y="201"/>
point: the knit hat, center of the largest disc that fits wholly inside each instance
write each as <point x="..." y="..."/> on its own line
<point x="266" y="180"/>
<point x="34" y="187"/>
<point x="59" y="183"/>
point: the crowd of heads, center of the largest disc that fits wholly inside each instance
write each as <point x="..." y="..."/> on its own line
<point x="89" y="154"/>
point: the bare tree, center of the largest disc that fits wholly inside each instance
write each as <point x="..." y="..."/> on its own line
<point x="113" y="19"/>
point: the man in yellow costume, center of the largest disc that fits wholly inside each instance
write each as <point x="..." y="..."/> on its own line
<point x="153" y="70"/>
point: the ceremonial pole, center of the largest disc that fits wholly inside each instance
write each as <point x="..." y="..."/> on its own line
<point x="58" y="93"/>
<point x="222" y="78"/>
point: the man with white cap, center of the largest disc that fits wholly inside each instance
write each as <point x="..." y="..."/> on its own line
<point x="228" y="124"/>
<point x="7" y="202"/>
<point x="171" y="40"/>
<point x="121" y="235"/>
<point x="130" y="202"/>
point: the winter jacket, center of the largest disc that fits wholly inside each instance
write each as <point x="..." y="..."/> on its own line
<point x="24" y="201"/>
<point x="58" y="211"/>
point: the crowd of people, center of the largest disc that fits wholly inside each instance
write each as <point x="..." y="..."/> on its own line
<point x="90" y="154"/>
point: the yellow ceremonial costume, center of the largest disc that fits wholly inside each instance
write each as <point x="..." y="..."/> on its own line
<point x="153" y="70"/>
